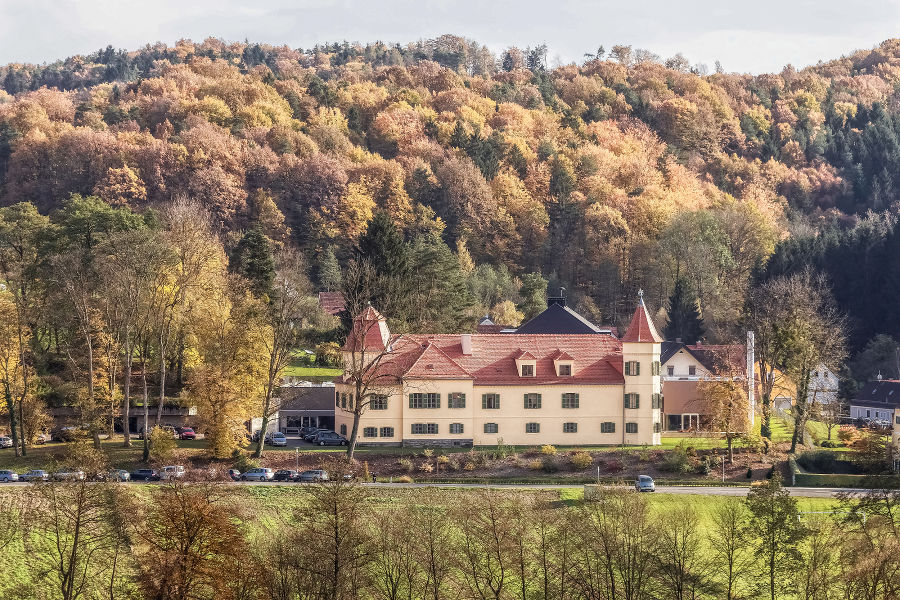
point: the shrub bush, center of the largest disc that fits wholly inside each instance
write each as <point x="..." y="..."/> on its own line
<point x="443" y="459"/>
<point x="403" y="479"/>
<point x="469" y="466"/>
<point x="749" y="472"/>
<point x="535" y="465"/>
<point x="162" y="445"/>
<point x="644" y="455"/>
<point x="243" y="462"/>
<point x="550" y="464"/>
<point x="846" y="435"/>
<point x="614" y="466"/>
<point x="818" y="461"/>
<point x="581" y="460"/>
<point x="405" y="464"/>
<point x="426" y="467"/>
<point x="704" y="468"/>
<point x="548" y="450"/>
<point x="677" y="461"/>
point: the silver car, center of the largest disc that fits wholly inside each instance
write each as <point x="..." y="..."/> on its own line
<point x="276" y="439"/>
<point x="8" y="476"/>
<point x="259" y="474"/>
<point x="645" y="483"/>
<point x="35" y="475"/>
<point x="5" y="442"/>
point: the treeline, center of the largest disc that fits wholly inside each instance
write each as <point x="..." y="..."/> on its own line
<point x="625" y="172"/>
<point x="116" y="314"/>
<point x="342" y="541"/>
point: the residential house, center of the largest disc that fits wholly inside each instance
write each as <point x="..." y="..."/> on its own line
<point x="876" y="401"/>
<point x="585" y="387"/>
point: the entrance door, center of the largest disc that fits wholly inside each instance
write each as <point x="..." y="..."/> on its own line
<point x="690" y="421"/>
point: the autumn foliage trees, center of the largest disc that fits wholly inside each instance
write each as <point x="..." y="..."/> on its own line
<point x="595" y="176"/>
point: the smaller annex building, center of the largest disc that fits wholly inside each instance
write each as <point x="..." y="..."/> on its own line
<point x="876" y="401"/>
<point x="514" y="388"/>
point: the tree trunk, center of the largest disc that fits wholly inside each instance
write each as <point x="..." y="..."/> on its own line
<point x="162" y="379"/>
<point x="146" y="455"/>
<point x="126" y="392"/>
<point x="95" y="434"/>
<point x="13" y="423"/>
<point x="351" y="445"/>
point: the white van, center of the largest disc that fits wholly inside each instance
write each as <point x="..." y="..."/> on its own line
<point x="171" y="472"/>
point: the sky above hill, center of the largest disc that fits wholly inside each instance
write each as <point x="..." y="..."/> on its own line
<point x="758" y="36"/>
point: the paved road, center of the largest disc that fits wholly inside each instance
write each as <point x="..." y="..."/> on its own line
<point x="800" y="492"/>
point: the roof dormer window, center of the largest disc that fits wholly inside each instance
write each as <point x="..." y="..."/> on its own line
<point x="564" y="369"/>
<point x="526" y="364"/>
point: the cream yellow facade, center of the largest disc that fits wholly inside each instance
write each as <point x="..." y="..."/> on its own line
<point x="598" y="417"/>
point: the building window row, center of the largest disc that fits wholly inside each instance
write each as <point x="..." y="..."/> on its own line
<point x="424" y="428"/>
<point x="371" y="432"/>
<point x="632" y="400"/>
<point x="456" y="400"/>
<point x="456" y="428"/>
<point x="429" y="400"/>
<point x="532" y="400"/>
<point x="570" y="400"/>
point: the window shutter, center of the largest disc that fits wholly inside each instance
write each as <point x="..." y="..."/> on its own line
<point x="484" y="401"/>
<point x="637" y="368"/>
<point x="626" y="400"/>
<point x="628" y="367"/>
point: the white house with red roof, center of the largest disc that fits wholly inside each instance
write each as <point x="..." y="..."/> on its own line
<point x="515" y="388"/>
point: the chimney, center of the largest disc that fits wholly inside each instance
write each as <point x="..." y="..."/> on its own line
<point x="561" y="299"/>
<point x="751" y="377"/>
<point x="466" y="342"/>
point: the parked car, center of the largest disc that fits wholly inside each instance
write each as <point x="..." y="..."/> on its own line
<point x="69" y="475"/>
<point x="118" y="475"/>
<point x="172" y="472"/>
<point x="8" y="476"/>
<point x="286" y="475"/>
<point x="42" y="438"/>
<point x="187" y="433"/>
<point x="276" y="438"/>
<point x="145" y="475"/>
<point x="35" y="475"/>
<point x="313" y="476"/>
<point x="64" y="434"/>
<point x="304" y="431"/>
<point x="312" y="433"/>
<point x="329" y="438"/>
<point x="258" y="474"/>
<point x="6" y="442"/>
<point x="645" y="483"/>
<point x="234" y="474"/>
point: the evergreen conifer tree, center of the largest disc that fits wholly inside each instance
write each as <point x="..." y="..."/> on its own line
<point x="329" y="271"/>
<point x="253" y="258"/>
<point x="685" y="322"/>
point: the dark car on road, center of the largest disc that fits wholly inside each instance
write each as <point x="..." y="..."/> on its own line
<point x="311" y="433"/>
<point x="329" y="438"/>
<point x="145" y="475"/>
<point x="313" y="476"/>
<point x="286" y="475"/>
<point x="234" y="475"/>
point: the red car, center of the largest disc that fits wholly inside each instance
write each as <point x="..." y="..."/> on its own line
<point x="187" y="433"/>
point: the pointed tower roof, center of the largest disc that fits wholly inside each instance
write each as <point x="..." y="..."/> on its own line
<point x="641" y="328"/>
<point x="369" y="332"/>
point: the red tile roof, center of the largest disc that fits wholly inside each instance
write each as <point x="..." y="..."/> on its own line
<point x="597" y="358"/>
<point x="641" y="328"/>
<point x="332" y="302"/>
<point x="370" y="327"/>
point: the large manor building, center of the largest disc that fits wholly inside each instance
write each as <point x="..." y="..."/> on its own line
<point x="516" y="388"/>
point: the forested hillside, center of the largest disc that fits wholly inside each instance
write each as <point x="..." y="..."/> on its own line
<point x="624" y="172"/>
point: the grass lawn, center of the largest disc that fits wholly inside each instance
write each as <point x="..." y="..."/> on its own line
<point x="45" y="456"/>
<point x="313" y="372"/>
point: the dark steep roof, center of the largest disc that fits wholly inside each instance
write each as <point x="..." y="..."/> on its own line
<point x="316" y="397"/>
<point x="559" y="319"/>
<point x="885" y="393"/>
